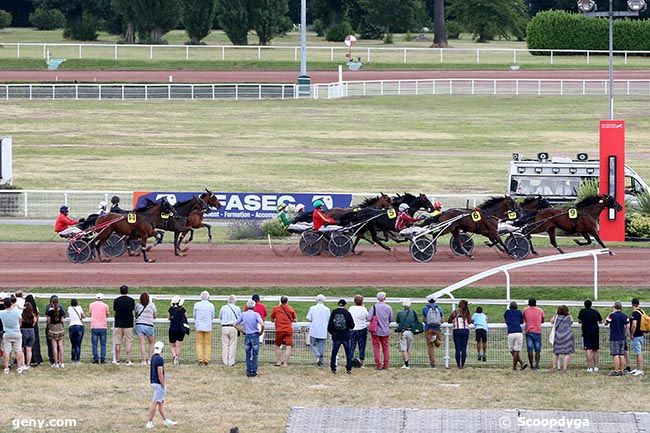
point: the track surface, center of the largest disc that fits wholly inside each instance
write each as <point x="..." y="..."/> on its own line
<point x="291" y="76"/>
<point x="45" y="265"/>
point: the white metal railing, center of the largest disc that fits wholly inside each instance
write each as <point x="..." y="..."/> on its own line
<point x="148" y="91"/>
<point x="480" y="86"/>
<point x="315" y="53"/>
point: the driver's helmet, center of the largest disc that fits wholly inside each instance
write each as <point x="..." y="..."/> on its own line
<point x="318" y="203"/>
<point x="102" y="205"/>
<point x="437" y="204"/>
<point x="64" y="209"/>
<point x="403" y="207"/>
<point x="299" y="208"/>
<point x="115" y="199"/>
<point x="281" y="207"/>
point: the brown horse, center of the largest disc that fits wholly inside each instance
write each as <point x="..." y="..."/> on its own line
<point x="139" y="224"/>
<point x="581" y="219"/>
<point x="199" y="206"/>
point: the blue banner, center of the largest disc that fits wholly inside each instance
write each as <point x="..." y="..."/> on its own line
<point x="251" y="205"/>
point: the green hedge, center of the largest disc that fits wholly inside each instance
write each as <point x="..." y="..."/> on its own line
<point x="561" y="30"/>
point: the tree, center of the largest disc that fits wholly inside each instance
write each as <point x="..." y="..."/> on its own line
<point x="487" y="19"/>
<point x="197" y="17"/>
<point x="125" y="9"/>
<point x="5" y="19"/>
<point x="154" y="18"/>
<point x="19" y="10"/>
<point x="266" y="18"/>
<point x="439" y="27"/>
<point x="330" y="12"/>
<point x="389" y="13"/>
<point x="234" y="20"/>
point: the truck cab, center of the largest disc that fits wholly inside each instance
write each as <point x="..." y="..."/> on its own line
<point x="559" y="178"/>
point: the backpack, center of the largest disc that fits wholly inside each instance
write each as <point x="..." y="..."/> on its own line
<point x="340" y="324"/>
<point x="644" y="323"/>
<point x="433" y="316"/>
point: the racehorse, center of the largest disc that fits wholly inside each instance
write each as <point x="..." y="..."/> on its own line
<point x="530" y="207"/>
<point x="380" y="201"/>
<point x="580" y="219"/>
<point x="138" y="224"/>
<point x="420" y="201"/>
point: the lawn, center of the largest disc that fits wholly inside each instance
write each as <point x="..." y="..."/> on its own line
<point x="440" y="144"/>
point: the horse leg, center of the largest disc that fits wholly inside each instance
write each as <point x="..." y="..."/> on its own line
<point x="375" y="238"/>
<point x="356" y="242"/>
<point x="191" y="236"/>
<point x="551" y="237"/>
<point x="209" y="227"/>
<point x="594" y="233"/>
<point x="176" y="243"/>
<point x="530" y="242"/>
<point x="144" y="250"/>
<point x="456" y="234"/>
<point x="582" y="244"/>
<point x="160" y="234"/>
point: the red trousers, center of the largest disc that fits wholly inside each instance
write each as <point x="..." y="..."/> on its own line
<point x="380" y="344"/>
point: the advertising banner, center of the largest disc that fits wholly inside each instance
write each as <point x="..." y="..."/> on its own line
<point x="612" y="177"/>
<point x="249" y="205"/>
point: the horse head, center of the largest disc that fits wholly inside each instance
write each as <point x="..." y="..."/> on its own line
<point x="210" y="199"/>
<point x="425" y="203"/>
<point x="384" y="200"/>
<point x="610" y="202"/>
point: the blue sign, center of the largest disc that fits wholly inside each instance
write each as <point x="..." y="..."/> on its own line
<point x="251" y="205"/>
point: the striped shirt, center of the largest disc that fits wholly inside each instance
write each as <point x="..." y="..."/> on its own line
<point x="229" y="313"/>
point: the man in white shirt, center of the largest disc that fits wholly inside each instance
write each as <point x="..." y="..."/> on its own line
<point x="228" y="315"/>
<point x="319" y="316"/>
<point x="203" y="316"/>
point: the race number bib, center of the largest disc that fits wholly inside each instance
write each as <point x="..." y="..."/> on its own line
<point x="164" y="216"/>
<point x="573" y="213"/>
<point x="512" y="215"/>
<point x="131" y="218"/>
<point x="392" y="214"/>
<point x="476" y="216"/>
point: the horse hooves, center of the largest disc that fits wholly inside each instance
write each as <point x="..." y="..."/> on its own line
<point x="535" y="253"/>
<point x="471" y="257"/>
<point x="151" y="260"/>
<point x="611" y="253"/>
<point x="184" y="249"/>
<point x="149" y="248"/>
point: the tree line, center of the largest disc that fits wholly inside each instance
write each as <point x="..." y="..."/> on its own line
<point x="147" y="21"/>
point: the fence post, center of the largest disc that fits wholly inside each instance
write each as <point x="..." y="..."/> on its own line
<point x="404" y="55"/>
<point x="236" y="92"/>
<point x="18" y="51"/>
<point x="169" y="92"/>
<point x="451" y="87"/>
<point x="539" y="87"/>
<point x="399" y="88"/>
<point x="587" y="56"/>
<point x="65" y="198"/>
<point x="80" y="51"/>
<point x="151" y="52"/>
<point x="187" y="52"/>
<point x="416" y="87"/>
<point x="331" y="54"/>
<point x="440" y="54"/>
<point x="433" y="87"/>
<point x="259" y="92"/>
<point x="551" y="57"/>
<point x="595" y="277"/>
<point x="364" y="88"/>
<point x="478" y="56"/>
<point x="223" y="52"/>
<point x="494" y="86"/>
<point x="295" y="54"/>
<point x="25" y="209"/>
<point x="561" y="87"/>
<point x="514" y="56"/>
<point x="381" y="88"/>
<point x="192" y="89"/>
<point x="146" y="92"/>
<point x="76" y="92"/>
<point x="30" y="92"/>
<point x="472" y="86"/>
<point x="122" y="92"/>
<point x="584" y="87"/>
<point x="100" y="92"/>
<point x="259" y="53"/>
<point x="115" y="55"/>
<point x="516" y="87"/>
<point x="44" y="52"/>
<point x="213" y="92"/>
<point x="625" y="56"/>
<point x="368" y="54"/>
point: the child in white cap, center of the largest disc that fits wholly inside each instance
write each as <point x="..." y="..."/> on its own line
<point x="157" y="380"/>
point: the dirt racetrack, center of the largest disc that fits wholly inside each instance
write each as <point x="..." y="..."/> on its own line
<point x="45" y="265"/>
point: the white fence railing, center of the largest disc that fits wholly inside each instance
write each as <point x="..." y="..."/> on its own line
<point x="315" y="53"/>
<point x="148" y="91"/>
<point x="482" y="86"/>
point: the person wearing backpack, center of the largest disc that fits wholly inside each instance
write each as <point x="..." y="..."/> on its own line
<point x="406" y="319"/>
<point x="433" y="317"/>
<point x="339" y="326"/>
<point x="636" y="332"/>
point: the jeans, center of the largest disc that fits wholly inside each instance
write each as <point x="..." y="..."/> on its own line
<point x="461" y="336"/>
<point x="336" y="344"/>
<point x="98" y="334"/>
<point x="76" y="337"/>
<point x="380" y="344"/>
<point x="252" y="343"/>
<point x="533" y="342"/>
<point x="359" y="338"/>
<point x="318" y="347"/>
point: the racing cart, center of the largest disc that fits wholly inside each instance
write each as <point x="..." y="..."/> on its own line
<point x="423" y="240"/>
<point x="81" y="245"/>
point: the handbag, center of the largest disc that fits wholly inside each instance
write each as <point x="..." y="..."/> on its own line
<point x="551" y="336"/>
<point x="417" y="327"/>
<point x="239" y="328"/>
<point x="186" y="325"/>
<point x="374" y="322"/>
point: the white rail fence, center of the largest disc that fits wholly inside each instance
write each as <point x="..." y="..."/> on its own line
<point x="315" y="53"/>
<point x="466" y="86"/>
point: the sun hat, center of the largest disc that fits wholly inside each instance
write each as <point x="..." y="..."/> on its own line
<point x="158" y="347"/>
<point x="99" y="296"/>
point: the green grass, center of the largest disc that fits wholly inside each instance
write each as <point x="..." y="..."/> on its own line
<point x="435" y="144"/>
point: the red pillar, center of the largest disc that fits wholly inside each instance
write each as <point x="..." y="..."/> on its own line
<point x="612" y="177"/>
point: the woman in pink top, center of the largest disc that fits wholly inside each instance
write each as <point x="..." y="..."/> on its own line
<point x="98" y="311"/>
<point x="460" y="318"/>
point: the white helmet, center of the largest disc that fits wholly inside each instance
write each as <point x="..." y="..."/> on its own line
<point x="102" y="205"/>
<point x="299" y="207"/>
<point x="403" y="207"/>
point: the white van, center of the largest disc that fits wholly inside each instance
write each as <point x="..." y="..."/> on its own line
<point x="558" y="178"/>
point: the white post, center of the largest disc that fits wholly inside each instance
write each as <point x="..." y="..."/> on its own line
<point x="478" y="56"/>
<point x="25" y="208"/>
<point x="332" y="54"/>
<point x="187" y="52"/>
<point x="18" y="51"/>
<point x="587" y="56"/>
<point x="595" y="277"/>
<point x="295" y="54"/>
<point x="514" y="57"/>
<point x="341" y="74"/>
<point x="507" y="285"/>
<point x="223" y="52"/>
<point x="115" y="54"/>
<point x="151" y="52"/>
<point x="404" y="55"/>
<point x="259" y="53"/>
<point x="551" y="57"/>
<point x="45" y="53"/>
<point x="368" y="54"/>
<point x="80" y="51"/>
<point x="447" y="345"/>
<point x="303" y="38"/>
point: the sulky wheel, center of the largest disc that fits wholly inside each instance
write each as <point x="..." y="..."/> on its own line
<point x="340" y="245"/>
<point x="422" y="249"/>
<point x="518" y="246"/>
<point x="311" y="243"/>
<point x="114" y="246"/>
<point x="467" y="241"/>
<point x="79" y="251"/>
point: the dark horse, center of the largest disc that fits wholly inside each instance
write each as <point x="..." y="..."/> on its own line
<point x="530" y="207"/>
<point x="581" y="219"/>
<point x="138" y="224"/>
<point x="381" y="201"/>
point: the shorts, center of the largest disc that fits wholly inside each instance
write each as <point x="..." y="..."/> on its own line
<point x="617" y="348"/>
<point x="29" y="337"/>
<point x="142" y="330"/>
<point x="533" y="342"/>
<point x="637" y="345"/>
<point x="515" y="341"/>
<point x="159" y="393"/>
<point x="590" y="342"/>
<point x="405" y="343"/>
<point x="176" y="335"/>
<point x="55" y="332"/>
<point x="122" y="333"/>
<point x="12" y="342"/>
<point x="481" y="335"/>
<point x="283" y="337"/>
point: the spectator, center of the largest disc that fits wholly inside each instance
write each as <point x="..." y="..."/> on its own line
<point x="260" y="309"/>
<point x="514" y="319"/>
<point x="380" y="337"/>
<point x="319" y="316"/>
<point x="158" y="384"/>
<point x="20" y="301"/>
<point x="637" y="336"/>
<point x="12" y="339"/>
<point x="50" y="353"/>
<point x="405" y="320"/>
<point x="27" y="322"/>
<point x="99" y="312"/>
<point x="123" y="306"/>
<point x="433" y="317"/>
<point x="618" y="330"/>
<point x="480" y="321"/>
<point x="177" y="323"/>
<point x="534" y="317"/>
<point x="460" y="320"/>
<point x="339" y="325"/>
<point x="37" y="358"/>
<point x="228" y="316"/>
<point x="203" y="317"/>
<point x="283" y="316"/>
<point x="563" y="343"/>
<point x="145" y="314"/>
<point x="590" y="318"/>
<point x="56" y="331"/>
<point x="359" y="334"/>
<point x="253" y="327"/>
<point x="75" y="329"/>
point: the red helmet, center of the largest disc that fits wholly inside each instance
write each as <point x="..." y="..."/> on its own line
<point x="437" y="204"/>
